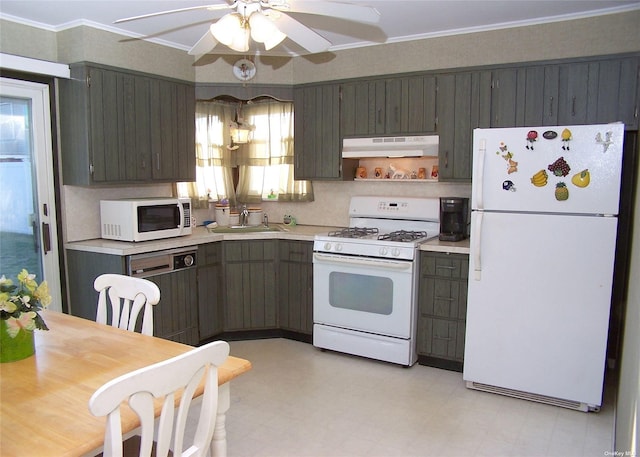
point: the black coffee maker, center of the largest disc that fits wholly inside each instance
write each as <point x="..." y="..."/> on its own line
<point x="454" y="215"/>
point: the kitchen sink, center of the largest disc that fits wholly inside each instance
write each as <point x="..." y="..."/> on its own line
<point x="246" y="229"/>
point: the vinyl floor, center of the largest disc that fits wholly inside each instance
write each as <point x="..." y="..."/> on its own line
<point x="300" y="401"/>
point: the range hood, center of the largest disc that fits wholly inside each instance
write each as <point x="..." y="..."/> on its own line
<point x="390" y="146"/>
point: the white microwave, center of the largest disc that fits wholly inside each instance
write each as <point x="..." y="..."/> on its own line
<point x="135" y="219"/>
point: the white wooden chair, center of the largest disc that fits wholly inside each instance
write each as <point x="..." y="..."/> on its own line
<point x="163" y="380"/>
<point x="127" y="296"/>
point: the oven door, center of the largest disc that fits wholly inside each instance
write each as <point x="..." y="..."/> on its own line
<point x="365" y="294"/>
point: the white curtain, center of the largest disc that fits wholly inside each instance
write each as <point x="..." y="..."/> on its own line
<point x="266" y="162"/>
<point x="214" y="180"/>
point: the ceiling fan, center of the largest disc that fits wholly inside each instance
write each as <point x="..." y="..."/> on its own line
<point x="268" y="22"/>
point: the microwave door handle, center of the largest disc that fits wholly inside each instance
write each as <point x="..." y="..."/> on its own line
<point x="181" y="212"/>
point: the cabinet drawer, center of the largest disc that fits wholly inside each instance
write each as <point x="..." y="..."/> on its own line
<point x="444" y="265"/>
<point x="443" y="298"/>
<point x="441" y="338"/>
<point x="210" y="253"/>
<point x="295" y="251"/>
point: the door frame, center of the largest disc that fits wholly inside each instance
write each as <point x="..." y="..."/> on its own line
<point x="44" y="89"/>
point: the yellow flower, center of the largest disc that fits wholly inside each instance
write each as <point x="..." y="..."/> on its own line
<point x="42" y="294"/>
<point x="5" y="282"/>
<point x="6" y="304"/>
<point x="29" y="280"/>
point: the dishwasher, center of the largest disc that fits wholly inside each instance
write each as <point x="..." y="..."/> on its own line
<point x="175" y="317"/>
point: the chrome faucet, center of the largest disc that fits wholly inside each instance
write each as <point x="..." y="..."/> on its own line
<point x="265" y="220"/>
<point x="244" y="216"/>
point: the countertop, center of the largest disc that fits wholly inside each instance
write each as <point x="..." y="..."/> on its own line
<point x="200" y="235"/>
<point x="457" y="247"/>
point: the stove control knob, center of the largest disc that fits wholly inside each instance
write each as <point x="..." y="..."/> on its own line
<point x="338" y="247"/>
<point x="395" y="252"/>
<point x="383" y="251"/>
<point x="327" y="246"/>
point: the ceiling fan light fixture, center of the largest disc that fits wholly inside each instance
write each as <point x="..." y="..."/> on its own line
<point x="274" y="40"/>
<point x="240" y="41"/>
<point x="226" y="29"/>
<point x="261" y="27"/>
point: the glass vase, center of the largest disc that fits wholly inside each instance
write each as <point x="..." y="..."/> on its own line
<point x="18" y="348"/>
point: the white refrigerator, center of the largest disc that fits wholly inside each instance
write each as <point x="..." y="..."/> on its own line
<point x="543" y="236"/>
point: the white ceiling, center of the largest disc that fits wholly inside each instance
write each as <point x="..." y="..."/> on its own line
<point x="400" y="20"/>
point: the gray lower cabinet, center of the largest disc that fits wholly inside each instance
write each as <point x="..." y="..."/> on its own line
<point x="175" y="317"/>
<point x="250" y="290"/>
<point x="295" y="286"/>
<point x="210" y="290"/>
<point x="442" y="309"/>
<point x="82" y="269"/>
<point x="125" y="127"/>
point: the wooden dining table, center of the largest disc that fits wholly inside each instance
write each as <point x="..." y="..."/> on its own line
<point x="44" y="399"/>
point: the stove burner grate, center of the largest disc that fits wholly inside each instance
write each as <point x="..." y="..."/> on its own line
<point x="403" y="236"/>
<point x="354" y="232"/>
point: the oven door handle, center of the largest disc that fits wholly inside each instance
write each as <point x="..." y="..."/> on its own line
<point x="376" y="263"/>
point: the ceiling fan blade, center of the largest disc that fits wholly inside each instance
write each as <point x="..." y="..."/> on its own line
<point x="349" y="11"/>
<point x="204" y="45"/>
<point x="179" y="10"/>
<point x="301" y="34"/>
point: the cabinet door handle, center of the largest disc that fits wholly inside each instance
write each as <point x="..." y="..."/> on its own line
<point x="446" y="267"/>
<point x="158" y="161"/>
<point x="573" y="106"/>
<point x="446" y="159"/>
<point x="379" y="116"/>
<point x="444" y="298"/>
<point x="550" y="106"/>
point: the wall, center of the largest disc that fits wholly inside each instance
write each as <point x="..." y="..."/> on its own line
<point x="609" y="34"/>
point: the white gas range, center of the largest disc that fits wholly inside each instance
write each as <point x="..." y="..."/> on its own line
<point x="366" y="276"/>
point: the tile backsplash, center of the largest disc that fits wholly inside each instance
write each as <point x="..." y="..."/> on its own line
<point x="81" y="205"/>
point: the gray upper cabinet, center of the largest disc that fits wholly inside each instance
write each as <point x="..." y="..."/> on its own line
<point x="397" y="106"/>
<point x="459" y="112"/>
<point x="318" y="148"/>
<point x="124" y="127"/>
<point x="504" y="92"/>
<point x="617" y="92"/>
<point x="537" y="96"/>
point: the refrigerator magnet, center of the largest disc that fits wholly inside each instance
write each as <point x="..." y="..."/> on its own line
<point x="606" y="141"/>
<point x="532" y="137"/>
<point x="566" y="137"/>
<point x="508" y="185"/>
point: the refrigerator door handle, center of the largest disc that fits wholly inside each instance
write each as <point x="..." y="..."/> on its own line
<point x="478" y="175"/>
<point x="476" y="235"/>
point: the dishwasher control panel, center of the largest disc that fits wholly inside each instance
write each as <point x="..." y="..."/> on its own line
<point x="154" y="263"/>
<point x="185" y="260"/>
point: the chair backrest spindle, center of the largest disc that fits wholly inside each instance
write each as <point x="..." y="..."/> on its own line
<point x="125" y="297"/>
